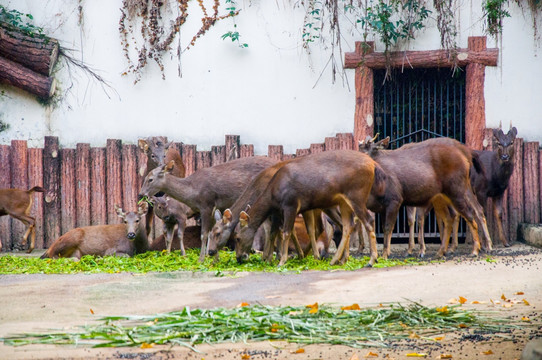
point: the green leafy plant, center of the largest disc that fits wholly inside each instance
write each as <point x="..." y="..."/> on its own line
<point x="20" y="21"/>
<point x="494" y="14"/>
<point x="233" y="35"/>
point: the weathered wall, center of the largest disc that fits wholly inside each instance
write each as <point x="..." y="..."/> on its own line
<point x="266" y="93"/>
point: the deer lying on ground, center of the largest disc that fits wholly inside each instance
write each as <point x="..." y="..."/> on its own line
<point x="124" y="239"/>
<point x="191" y="240"/>
<point x="489" y="182"/>
<point x="17" y="203"/>
<point x="159" y="152"/>
<point x="420" y="173"/>
<point x="217" y="186"/>
<point x="324" y="180"/>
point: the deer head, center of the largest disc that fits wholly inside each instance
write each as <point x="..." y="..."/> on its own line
<point x="131" y="219"/>
<point x="371" y="148"/>
<point x="505" y="144"/>
<point x="155" y="148"/>
<point x="156" y="180"/>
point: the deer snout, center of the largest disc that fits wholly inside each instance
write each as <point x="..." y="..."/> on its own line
<point x="242" y="258"/>
<point x="212" y="252"/>
<point x="505" y="157"/>
<point x="131" y="235"/>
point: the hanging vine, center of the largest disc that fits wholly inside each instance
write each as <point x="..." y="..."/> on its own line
<point x="447" y="28"/>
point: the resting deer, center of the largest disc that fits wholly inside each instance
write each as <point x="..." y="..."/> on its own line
<point x="17" y="203"/>
<point x="422" y="172"/>
<point x="159" y="152"/>
<point x="124" y="239"/>
<point x="217" y="186"/>
<point x="324" y="180"/>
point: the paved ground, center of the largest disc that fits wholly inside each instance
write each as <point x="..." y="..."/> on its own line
<point x="36" y="302"/>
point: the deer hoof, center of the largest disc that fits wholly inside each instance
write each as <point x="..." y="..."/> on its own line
<point x="506" y="244"/>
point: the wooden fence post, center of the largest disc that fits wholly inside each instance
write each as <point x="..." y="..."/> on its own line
<point x="275" y="152"/>
<point x="35" y="178"/>
<point x="233" y="141"/>
<point x="247" y="150"/>
<point x="82" y="184"/>
<point x="5" y="183"/>
<point x="188" y="153"/>
<point x="130" y="184"/>
<point x="331" y="143"/>
<point x="515" y="192"/>
<point x="51" y="182"/>
<point x="531" y="182"/>
<point x="203" y="159"/>
<point x="19" y="180"/>
<point x="113" y="155"/>
<point x="98" y="194"/>
<point x="68" y="207"/>
<point x="316" y="148"/>
<point x="218" y="155"/>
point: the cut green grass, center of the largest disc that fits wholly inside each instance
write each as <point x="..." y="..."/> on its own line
<point x="311" y="324"/>
<point x="163" y="261"/>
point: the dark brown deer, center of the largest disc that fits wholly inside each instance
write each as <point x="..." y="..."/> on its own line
<point x="174" y="214"/>
<point x="217" y="186"/>
<point x="124" y="239"/>
<point x="17" y="203"/>
<point x="423" y="171"/>
<point x="324" y="180"/>
<point x="159" y="152"/>
<point x="191" y="240"/>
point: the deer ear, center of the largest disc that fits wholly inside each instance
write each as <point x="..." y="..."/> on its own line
<point x="168" y="145"/>
<point x="513" y="132"/>
<point x="119" y="211"/>
<point x="244" y="219"/>
<point x="143" y="145"/>
<point x="226" y="218"/>
<point x="143" y="208"/>
<point x="498" y="134"/>
<point x="218" y="215"/>
<point x="169" y="166"/>
<point x="384" y="143"/>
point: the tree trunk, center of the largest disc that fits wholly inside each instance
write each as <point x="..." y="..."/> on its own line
<point x="15" y="74"/>
<point x="36" y="53"/>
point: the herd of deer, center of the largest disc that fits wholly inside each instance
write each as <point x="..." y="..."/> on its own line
<point x="255" y="202"/>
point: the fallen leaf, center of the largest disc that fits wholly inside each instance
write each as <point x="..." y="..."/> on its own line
<point x="519" y="293"/>
<point x="462" y="300"/>
<point x="489" y="352"/>
<point x="503" y="297"/>
<point x="525" y="318"/>
<point x="313" y="308"/>
<point x="354" y="357"/>
<point x="526" y="302"/>
<point x="413" y="336"/>
<point x="370" y="354"/>
<point x="445" y="356"/>
<point x="146" y="346"/>
<point x="351" y="307"/>
<point x="443" y="310"/>
<point x="243" y="304"/>
<point x="274" y="327"/>
<point x="92" y="311"/>
<point x="438" y="338"/>
<point x="416" y="355"/>
<point x="298" y="351"/>
<point x="462" y="326"/>
<point x="453" y="301"/>
<point x="475" y="302"/>
<point x="403" y="325"/>
<point x="245" y="356"/>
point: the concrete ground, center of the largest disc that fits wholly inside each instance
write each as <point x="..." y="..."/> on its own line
<point x="29" y="303"/>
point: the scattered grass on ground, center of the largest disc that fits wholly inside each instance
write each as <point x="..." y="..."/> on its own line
<point x="163" y="262"/>
<point x="311" y="324"/>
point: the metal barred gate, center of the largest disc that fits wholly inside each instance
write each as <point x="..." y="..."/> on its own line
<point x="415" y="105"/>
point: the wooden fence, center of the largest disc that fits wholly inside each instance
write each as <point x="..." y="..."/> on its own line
<point x="84" y="183"/>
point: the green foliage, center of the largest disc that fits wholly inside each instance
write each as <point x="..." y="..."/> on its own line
<point x="233" y="35"/>
<point x="20" y="21"/>
<point x="174" y="261"/>
<point x="495" y="13"/>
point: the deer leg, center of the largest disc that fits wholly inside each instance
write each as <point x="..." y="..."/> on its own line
<point x="444" y="222"/>
<point x="310" y="224"/>
<point x="465" y="209"/>
<point x="169" y="231"/>
<point x="411" y="218"/>
<point x="420" y="217"/>
<point x="455" y="229"/>
<point x="271" y="241"/>
<point x="288" y="220"/>
<point x="29" y="222"/>
<point x="149" y="222"/>
<point x="346" y="218"/>
<point x="480" y="219"/>
<point x="205" y="217"/>
<point x="368" y="223"/>
<point x="497" y="212"/>
<point x="389" y="224"/>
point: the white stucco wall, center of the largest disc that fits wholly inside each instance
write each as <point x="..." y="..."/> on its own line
<point x="269" y="93"/>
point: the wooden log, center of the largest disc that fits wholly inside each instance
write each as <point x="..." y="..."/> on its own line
<point x="130" y="188"/>
<point x="316" y="148"/>
<point x="82" y="184"/>
<point x="218" y="155"/>
<point x="302" y="152"/>
<point x="113" y="155"/>
<point x="188" y="152"/>
<point x="515" y="191"/>
<point x="67" y="183"/>
<point x="38" y="53"/>
<point x="331" y="143"/>
<point x="233" y="144"/>
<point x="364" y="83"/>
<point x="531" y="182"/>
<point x="421" y="59"/>
<point x="203" y="159"/>
<point x="17" y="75"/>
<point x="288" y="157"/>
<point x="142" y="163"/>
<point x="35" y="178"/>
<point x="19" y="180"/>
<point x="247" y="150"/>
<point x="275" y="152"/>
<point x="346" y="141"/>
<point x="51" y="182"/>
<point x="98" y="193"/>
<point x="475" y="108"/>
<point x="5" y="183"/>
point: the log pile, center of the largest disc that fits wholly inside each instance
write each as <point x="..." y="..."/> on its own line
<point x="27" y="62"/>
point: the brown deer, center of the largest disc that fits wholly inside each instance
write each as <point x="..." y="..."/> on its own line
<point x="421" y="172"/>
<point x="159" y="152"/>
<point x="191" y="240"/>
<point x="124" y="239"/>
<point x="174" y="214"/>
<point x="324" y="180"/>
<point x="17" y="203"/>
<point x="217" y="186"/>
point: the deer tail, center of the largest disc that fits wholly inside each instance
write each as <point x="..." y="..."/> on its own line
<point x="379" y="184"/>
<point x="37" y="189"/>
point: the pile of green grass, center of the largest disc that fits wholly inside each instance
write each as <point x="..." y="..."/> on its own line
<point x="310" y="324"/>
<point x="163" y="261"/>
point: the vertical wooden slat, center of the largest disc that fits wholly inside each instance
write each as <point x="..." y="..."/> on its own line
<point x="82" y="184"/>
<point x="67" y="190"/>
<point x="288" y="157"/>
<point x="364" y="82"/>
<point x="130" y="189"/>
<point x="51" y="182"/>
<point x="346" y="141"/>
<point x="5" y="183"/>
<point x="475" y="118"/>
<point x="218" y="155"/>
<point x="35" y="178"/>
<point x="113" y="155"/>
<point x="331" y="143"/>
<point x="232" y="141"/>
<point x="317" y="148"/>
<point x="540" y="178"/>
<point x="302" y="152"/>
<point x="142" y="167"/>
<point x="531" y="183"/>
<point x="19" y="180"/>
<point x="247" y="150"/>
<point x="275" y="152"/>
<point x="203" y="159"/>
<point x="515" y="191"/>
<point x="189" y="158"/>
<point x="98" y="195"/>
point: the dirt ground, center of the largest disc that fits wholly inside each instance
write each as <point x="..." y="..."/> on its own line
<point x="30" y="303"/>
